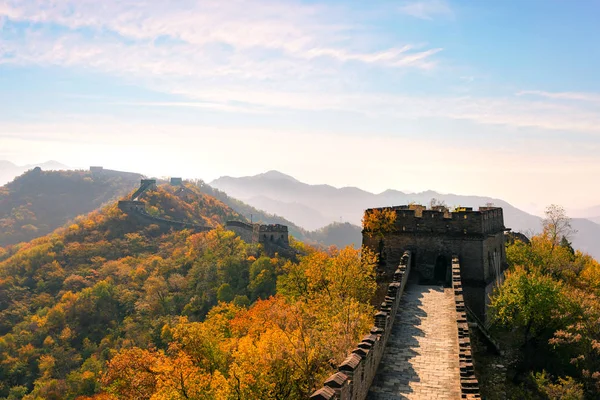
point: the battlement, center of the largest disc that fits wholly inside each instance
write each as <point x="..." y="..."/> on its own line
<point x="275" y="228"/>
<point x="176" y="181"/>
<point x="439" y="220"/>
<point x="128" y="206"/>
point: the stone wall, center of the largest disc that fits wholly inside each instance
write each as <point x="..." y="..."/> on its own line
<point x="469" y="386"/>
<point x="356" y="373"/>
<point x="246" y="231"/>
<point x="137" y="210"/>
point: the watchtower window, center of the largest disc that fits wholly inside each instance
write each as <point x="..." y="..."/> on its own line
<point x="465" y="216"/>
<point x="271" y="238"/>
<point x="465" y="231"/>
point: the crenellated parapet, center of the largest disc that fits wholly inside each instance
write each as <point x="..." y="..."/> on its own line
<point x="356" y="373"/>
<point x="469" y="385"/>
<point x="463" y="221"/>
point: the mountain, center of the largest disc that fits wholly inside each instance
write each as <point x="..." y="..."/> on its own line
<point x="311" y="218"/>
<point x="74" y="297"/>
<point x="591" y="213"/>
<point x="274" y="190"/>
<point x="38" y="202"/>
<point x="8" y="170"/>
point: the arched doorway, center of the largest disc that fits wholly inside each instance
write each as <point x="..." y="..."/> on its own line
<point x="441" y="269"/>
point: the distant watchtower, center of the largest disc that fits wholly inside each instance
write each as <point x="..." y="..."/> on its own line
<point x="434" y="236"/>
<point x="267" y="235"/>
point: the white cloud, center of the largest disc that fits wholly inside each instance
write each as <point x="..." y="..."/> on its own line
<point x="295" y="30"/>
<point x="578" y="96"/>
<point x="426" y="9"/>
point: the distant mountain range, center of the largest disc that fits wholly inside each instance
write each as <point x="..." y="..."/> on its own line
<point x="591" y="213"/>
<point x="314" y="213"/>
<point x="9" y="171"/>
<point x="314" y="206"/>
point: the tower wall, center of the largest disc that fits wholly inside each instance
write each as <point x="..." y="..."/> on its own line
<point x="434" y="236"/>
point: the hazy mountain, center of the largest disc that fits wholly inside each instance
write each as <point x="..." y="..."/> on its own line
<point x="273" y="190"/>
<point x="9" y="171"/>
<point x="591" y="213"/>
<point x="311" y="218"/>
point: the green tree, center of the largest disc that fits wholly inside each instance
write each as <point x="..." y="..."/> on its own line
<point x="225" y="293"/>
<point x="530" y="302"/>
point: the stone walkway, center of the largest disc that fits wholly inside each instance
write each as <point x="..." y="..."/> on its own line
<point x="421" y="357"/>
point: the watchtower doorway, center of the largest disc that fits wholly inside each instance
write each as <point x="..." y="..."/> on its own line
<point x="440" y="271"/>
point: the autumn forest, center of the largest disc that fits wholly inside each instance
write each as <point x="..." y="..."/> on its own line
<point x="106" y="307"/>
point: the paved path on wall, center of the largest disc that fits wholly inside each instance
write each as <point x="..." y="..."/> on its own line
<point x="421" y="357"/>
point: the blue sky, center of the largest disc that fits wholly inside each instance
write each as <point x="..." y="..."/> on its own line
<point x="498" y="98"/>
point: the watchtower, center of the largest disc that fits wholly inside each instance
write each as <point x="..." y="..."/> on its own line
<point x="434" y="236"/>
<point x="274" y="234"/>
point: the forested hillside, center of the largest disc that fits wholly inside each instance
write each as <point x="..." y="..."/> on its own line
<point x="38" y="202"/>
<point x="547" y="314"/>
<point x="111" y="309"/>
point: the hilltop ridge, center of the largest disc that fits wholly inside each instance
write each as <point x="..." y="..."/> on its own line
<point x="38" y="202"/>
<point x="9" y="170"/>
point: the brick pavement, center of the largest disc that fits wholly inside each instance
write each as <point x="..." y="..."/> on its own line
<point x="421" y="357"/>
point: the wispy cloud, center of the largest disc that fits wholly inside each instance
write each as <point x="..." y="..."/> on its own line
<point x="426" y="9"/>
<point x="577" y="96"/>
<point x="189" y="104"/>
<point x="233" y="30"/>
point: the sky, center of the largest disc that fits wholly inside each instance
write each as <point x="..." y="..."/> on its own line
<point x="497" y="98"/>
